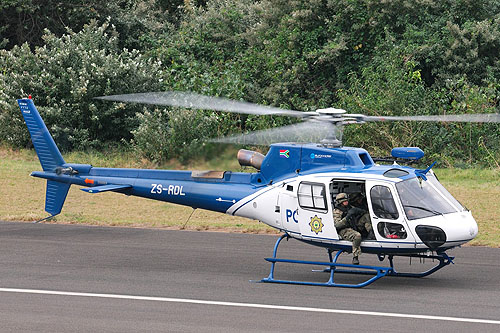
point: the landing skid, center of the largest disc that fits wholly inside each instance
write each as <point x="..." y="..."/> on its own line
<point x="443" y="258"/>
<point x="376" y="272"/>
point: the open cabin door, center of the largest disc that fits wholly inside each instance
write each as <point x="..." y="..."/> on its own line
<point x="351" y="187"/>
<point x="387" y="218"/>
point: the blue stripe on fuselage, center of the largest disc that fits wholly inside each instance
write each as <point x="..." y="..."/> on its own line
<point x="217" y="194"/>
<point x="212" y="196"/>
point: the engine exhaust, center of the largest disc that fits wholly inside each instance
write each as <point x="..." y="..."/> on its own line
<point x="250" y="158"/>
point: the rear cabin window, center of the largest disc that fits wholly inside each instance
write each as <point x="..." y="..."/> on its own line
<point x="312" y="196"/>
<point x="382" y="202"/>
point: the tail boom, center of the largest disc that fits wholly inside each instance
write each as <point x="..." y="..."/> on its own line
<point x="216" y="192"/>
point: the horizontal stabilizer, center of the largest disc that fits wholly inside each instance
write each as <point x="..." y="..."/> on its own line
<point x="105" y="188"/>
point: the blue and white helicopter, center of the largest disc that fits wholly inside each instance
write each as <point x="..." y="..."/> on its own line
<point x="294" y="188"/>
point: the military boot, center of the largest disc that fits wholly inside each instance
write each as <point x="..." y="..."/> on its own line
<point x="355" y="261"/>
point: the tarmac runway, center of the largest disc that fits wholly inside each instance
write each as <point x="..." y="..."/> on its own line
<point x="61" y="278"/>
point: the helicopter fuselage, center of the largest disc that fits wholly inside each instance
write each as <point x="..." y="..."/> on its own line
<point x="294" y="192"/>
<point x="408" y="214"/>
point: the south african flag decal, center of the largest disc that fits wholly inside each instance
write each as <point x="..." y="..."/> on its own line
<point x="284" y="153"/>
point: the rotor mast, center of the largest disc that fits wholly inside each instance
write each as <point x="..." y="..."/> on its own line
<point x="334" y="116"/>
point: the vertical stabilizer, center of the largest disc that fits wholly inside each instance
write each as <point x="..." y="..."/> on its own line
<point x="45" y="147"/>
<point x="49" y="155"/>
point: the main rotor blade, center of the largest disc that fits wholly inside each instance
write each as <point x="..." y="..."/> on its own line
<point x="196" y="101"/>
<point x="466" y="118"/>
<point x="310" y="131"/>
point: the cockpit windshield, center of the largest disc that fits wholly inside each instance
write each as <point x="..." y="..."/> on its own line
<point x="425" y="198"/>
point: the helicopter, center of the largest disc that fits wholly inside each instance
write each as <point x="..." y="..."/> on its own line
<point x="294" y="187"/>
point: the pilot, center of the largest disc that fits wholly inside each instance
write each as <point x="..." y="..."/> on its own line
<point x="349" y="221"/>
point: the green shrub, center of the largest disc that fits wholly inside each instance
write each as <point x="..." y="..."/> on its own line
<point x="393" y="86"/>
<point x="164" y="134"/>
<point x="64" y="76"/>
<point x="24" y="21"/>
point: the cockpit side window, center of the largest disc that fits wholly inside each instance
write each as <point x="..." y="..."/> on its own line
<point x="383" y="203"/>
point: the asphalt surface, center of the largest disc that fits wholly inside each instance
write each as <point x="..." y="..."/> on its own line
<point x="178" y="268"/>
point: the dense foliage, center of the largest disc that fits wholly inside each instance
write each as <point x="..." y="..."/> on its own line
<point x="64" y="76"/>
<point x="393" y="57"/>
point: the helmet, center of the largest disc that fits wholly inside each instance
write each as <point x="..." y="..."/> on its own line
<point x="356" y="196"/>
<point x="341" y="197"/>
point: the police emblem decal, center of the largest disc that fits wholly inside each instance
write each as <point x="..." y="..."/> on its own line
<point x="316" y="224"/>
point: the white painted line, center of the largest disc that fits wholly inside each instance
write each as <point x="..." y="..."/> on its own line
<point x="247" y="305"/>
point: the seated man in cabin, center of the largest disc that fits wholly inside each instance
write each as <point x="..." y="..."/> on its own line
<point x="350" y="222"/>
<point x="362" y="217"/>
<point x="358" y="200"/>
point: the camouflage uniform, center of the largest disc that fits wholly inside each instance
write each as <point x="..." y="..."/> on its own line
<point x="358" y="200"/>
<point x="364" y="223"/>
<point x="345" y="229"/>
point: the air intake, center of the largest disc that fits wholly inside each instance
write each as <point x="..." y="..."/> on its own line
<point x="432" y="236"/>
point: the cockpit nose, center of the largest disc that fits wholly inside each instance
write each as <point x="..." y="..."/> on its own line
<point x="431" y="236"/>
<point x="473" y="229"/>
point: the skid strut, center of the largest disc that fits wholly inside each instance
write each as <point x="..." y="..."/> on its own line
<point x="333" y="267"/>
<point x="443" y="258"/>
